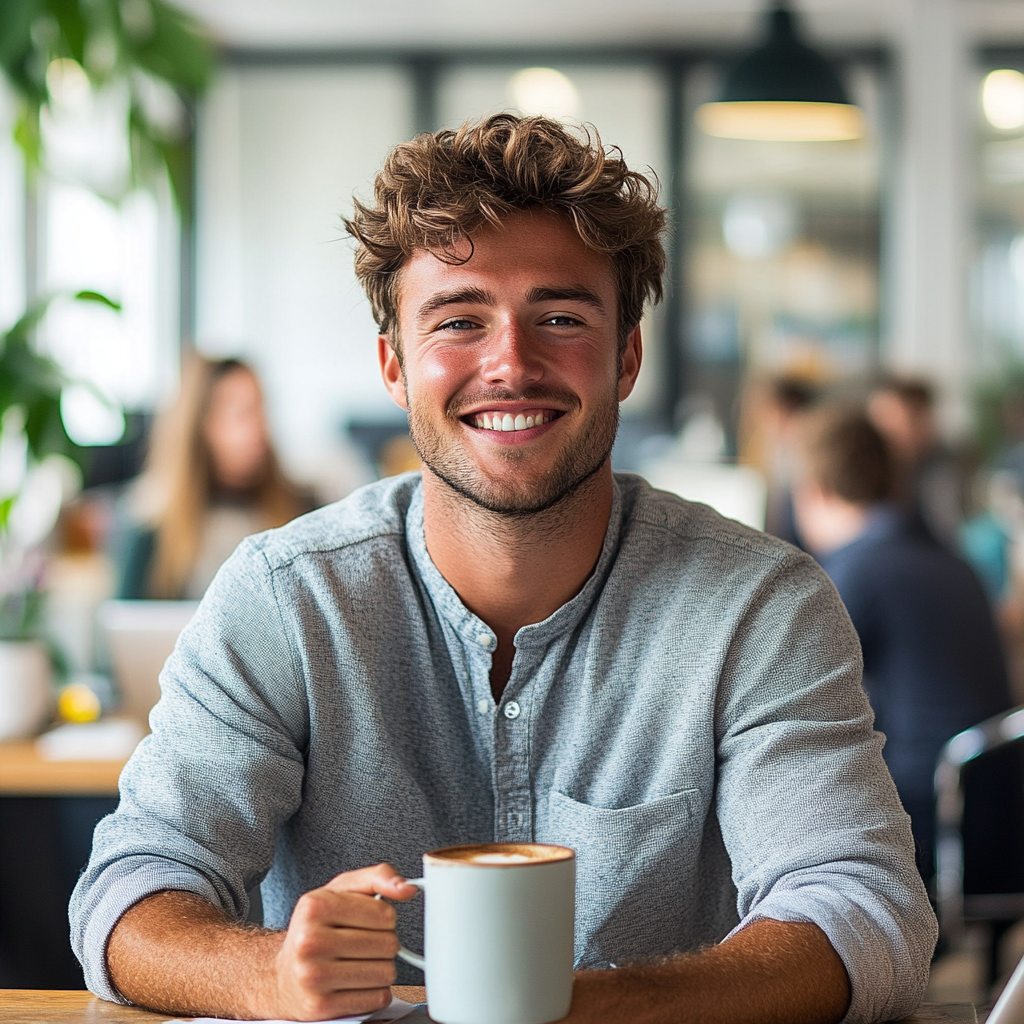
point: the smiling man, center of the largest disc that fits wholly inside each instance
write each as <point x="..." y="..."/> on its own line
<point x="515" y="645"/>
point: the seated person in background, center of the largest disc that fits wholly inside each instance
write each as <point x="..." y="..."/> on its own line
<point x="929" y="480"/>
<point x="933" y="664"/>
<point x="513" y="645"/>
<point x="770" y="419"/>
<point x="211" y="480"/>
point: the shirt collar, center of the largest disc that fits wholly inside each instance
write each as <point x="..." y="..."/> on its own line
<point x="469" y="626"/>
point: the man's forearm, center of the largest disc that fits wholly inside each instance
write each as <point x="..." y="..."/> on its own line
<point x="771" y="972"/>
<point x="175" y="952"/>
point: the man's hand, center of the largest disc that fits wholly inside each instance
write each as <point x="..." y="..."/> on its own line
<point x="176" y="953"/>
<point x="337" y="958"/>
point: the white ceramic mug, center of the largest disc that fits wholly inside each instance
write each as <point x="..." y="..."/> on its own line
<point x="498" y="933"/>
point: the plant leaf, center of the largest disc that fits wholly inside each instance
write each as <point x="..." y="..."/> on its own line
<point x="91" y="296"/>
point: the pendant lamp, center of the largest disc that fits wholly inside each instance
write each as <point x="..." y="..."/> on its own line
<point x="783" y="91"/>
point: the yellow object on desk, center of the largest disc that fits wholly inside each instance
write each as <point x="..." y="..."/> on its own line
<point x="78" y="703"/>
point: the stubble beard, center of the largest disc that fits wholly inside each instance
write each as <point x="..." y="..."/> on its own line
<point x="580" y="459"/>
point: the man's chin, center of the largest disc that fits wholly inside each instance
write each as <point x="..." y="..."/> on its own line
<point x="519" y="499"/>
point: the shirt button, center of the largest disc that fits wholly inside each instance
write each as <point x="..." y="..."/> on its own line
<point x="484" y="640"/>
<point x="483" y="707"/>
<point x="511" y="710"/>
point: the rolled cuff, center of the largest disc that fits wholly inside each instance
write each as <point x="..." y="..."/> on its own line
<point x="888" y="969"/>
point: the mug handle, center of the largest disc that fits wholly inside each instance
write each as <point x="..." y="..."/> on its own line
<point x="407" y="954"/>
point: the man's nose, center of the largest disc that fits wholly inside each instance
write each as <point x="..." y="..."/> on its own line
<point x="513" y="357"/>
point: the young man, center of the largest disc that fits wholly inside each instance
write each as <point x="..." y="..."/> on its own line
<point x="514" y="645"/>
<point x="933" y="662"/>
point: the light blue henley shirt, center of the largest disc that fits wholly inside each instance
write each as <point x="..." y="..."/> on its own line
<point x="692" y="723"/>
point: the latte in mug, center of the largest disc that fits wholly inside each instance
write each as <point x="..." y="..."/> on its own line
<point x="498" y="933"/>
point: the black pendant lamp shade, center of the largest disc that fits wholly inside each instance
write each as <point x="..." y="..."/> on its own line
<point x="783" y="91"/>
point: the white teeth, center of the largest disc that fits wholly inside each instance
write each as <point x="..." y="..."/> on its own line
<point x="487" y="421"/>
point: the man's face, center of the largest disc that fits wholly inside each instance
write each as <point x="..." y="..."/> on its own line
<point x="512" y="375"/>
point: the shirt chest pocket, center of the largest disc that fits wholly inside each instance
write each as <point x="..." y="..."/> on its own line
<point x="634" y="872"/>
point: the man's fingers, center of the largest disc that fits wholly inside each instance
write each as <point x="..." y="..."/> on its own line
<point x="326" y="907"/>
<point x="339" y="976"/>
<point x="330" y="944"/>
<point x="381" y="879"/>
<point x="315" y="1007"/>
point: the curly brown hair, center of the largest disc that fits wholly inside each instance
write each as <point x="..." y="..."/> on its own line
<point x="435" y="191"/>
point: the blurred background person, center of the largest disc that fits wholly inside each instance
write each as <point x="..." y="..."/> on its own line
<point x="933" y="663"/>
<point x="929" y="478"/>
<point x="770" y="421"/>
<point x="211" y="479"/>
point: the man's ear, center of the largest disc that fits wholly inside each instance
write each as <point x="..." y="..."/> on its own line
<point x="629" y="364"/>
<point x="391" y="371"/>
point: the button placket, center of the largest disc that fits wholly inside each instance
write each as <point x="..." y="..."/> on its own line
<point x="514" y="796"/>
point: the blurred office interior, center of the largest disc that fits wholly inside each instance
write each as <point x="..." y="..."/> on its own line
<point x="899" y="251"/>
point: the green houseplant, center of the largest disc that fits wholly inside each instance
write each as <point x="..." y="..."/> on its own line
<point x="148" y="60"/>
<point x="156" y="57"/>
<point x="34" y="445"/>
<point x="32" y="434"/>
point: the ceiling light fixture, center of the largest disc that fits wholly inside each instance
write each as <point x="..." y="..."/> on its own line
<point x="783" y="91"/>
<point x="544" y="91"/>
<point x="1002" y="98"/>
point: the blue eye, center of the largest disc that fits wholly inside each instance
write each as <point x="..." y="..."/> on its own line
<point x="563" y="320"/>
<point x="459" y="325"/>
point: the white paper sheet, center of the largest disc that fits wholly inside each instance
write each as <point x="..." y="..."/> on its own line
<point x="110" y="740"/>
<point x="398" y="1009"/>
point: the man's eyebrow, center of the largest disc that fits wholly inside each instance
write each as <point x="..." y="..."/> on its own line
<point x="474" y="296"/>
<point x="573" y="293"/>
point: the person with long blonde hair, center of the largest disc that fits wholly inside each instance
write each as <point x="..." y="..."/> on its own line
<point x="211" y="479"/>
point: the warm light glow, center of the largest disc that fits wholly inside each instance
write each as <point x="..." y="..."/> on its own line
<point x="1002" y="99"/>
<point x="778" y="121"/>
<point x="544" y="91"/>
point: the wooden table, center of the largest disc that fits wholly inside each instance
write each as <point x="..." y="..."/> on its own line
<point x="24" y="773"/>
<point x="29" y="1006"/>
<point x="36" y="1006"/>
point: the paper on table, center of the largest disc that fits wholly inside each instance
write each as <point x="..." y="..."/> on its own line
<point x="110" y="740"/>
<point x="399" y="1008"/>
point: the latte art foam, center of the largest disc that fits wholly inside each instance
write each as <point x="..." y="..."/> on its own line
<point x="500" y="854"/>
<point x="500" y="858"/>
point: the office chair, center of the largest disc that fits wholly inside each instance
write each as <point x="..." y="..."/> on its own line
<point x="979" y="848"/>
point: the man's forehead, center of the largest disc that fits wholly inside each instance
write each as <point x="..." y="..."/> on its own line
<point x="535" y="252"/>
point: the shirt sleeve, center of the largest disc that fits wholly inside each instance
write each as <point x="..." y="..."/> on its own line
<point x="203" y="795"/>
<point x="796" y="748"/>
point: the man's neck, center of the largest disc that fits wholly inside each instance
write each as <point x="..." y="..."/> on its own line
<point x="514" y="571"/>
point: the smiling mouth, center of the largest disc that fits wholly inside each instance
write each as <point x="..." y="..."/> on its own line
<point x="507" y="421"/>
